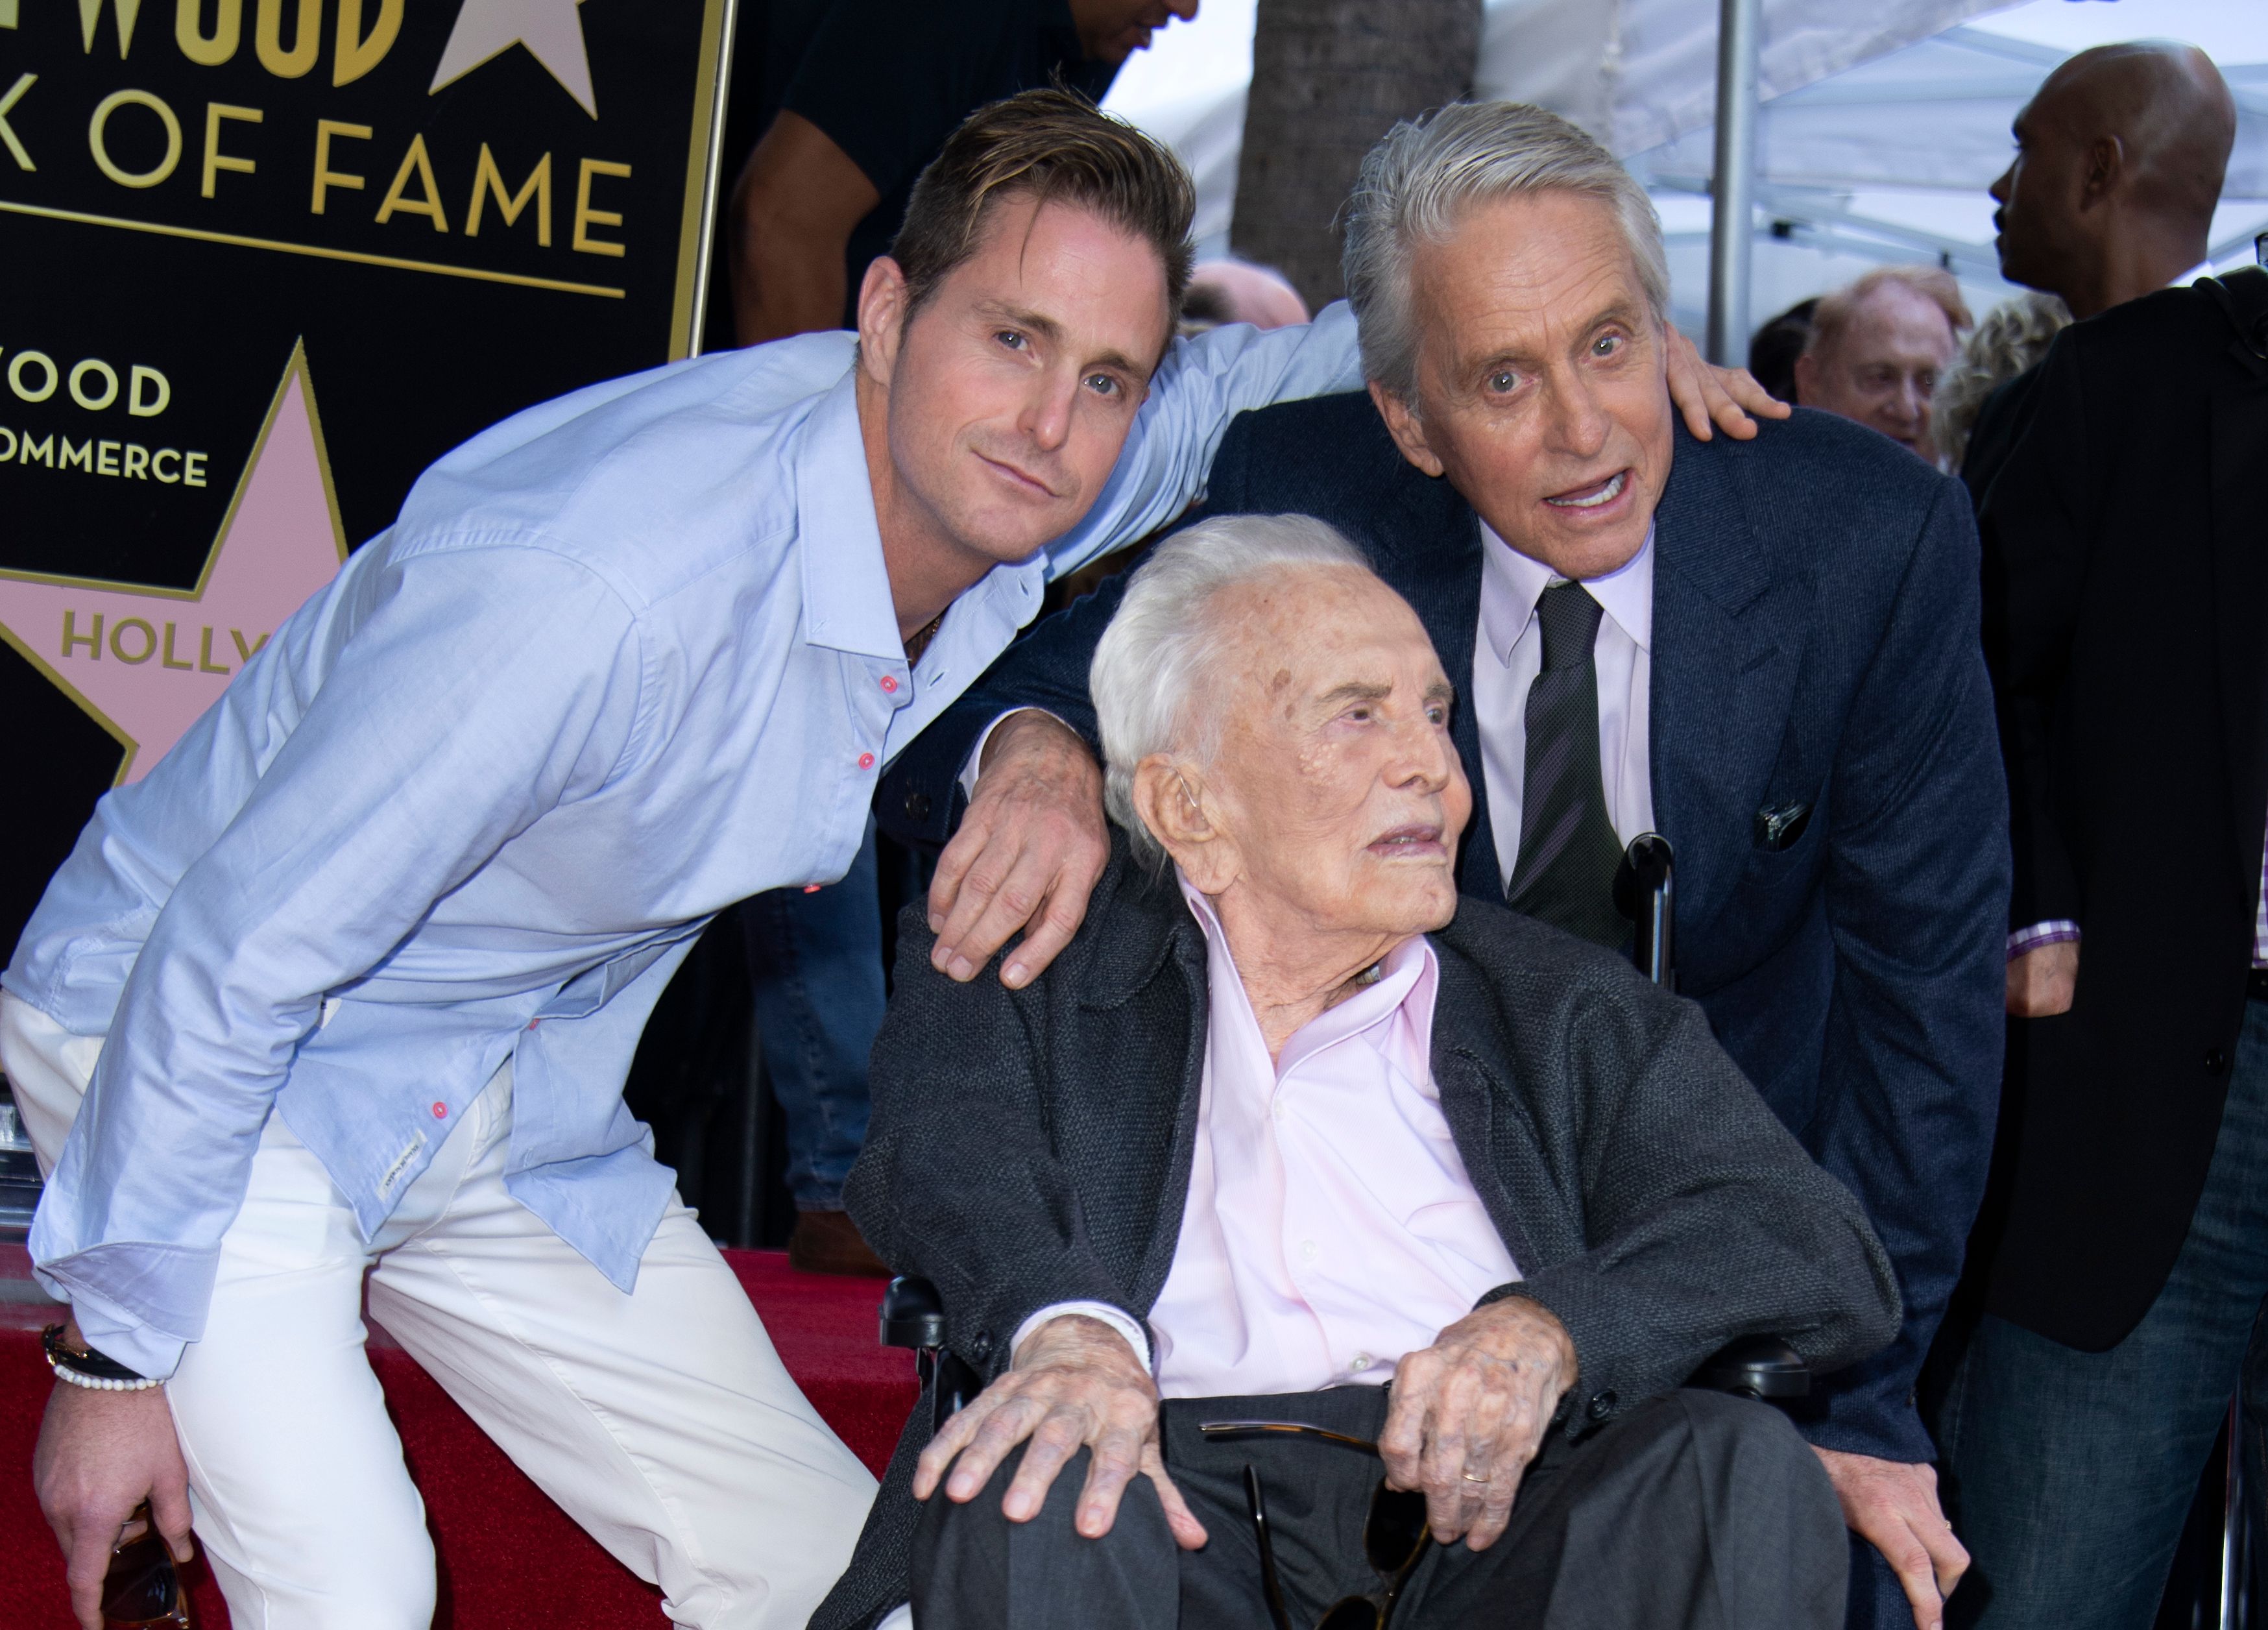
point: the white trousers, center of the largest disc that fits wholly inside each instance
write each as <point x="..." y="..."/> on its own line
<point x="662" y="1421"/>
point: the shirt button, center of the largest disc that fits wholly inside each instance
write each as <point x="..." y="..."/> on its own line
<point x="1362" y="1361"/>
<point x="1307" y="1251"/>
<point x="889" y="684"/>
<point x="1277" y="1109"/>
<point x="440" y="1111"/>
<point x="865" y="761"/>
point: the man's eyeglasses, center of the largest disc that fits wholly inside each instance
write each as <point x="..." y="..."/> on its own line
<point x="1394" y="1535"/>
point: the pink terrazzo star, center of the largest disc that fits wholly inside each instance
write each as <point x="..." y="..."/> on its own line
<point x="145" y="662"/>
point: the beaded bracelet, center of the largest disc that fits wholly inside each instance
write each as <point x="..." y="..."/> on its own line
<point x="91" y="1369"/>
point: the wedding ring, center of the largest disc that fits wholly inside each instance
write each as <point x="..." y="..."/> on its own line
<point x="1470" y="1477"/>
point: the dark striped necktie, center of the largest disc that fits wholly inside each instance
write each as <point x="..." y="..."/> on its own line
<point x="1568" y="850"/>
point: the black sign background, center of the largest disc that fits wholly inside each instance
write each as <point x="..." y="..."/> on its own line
<point x="404" y="361"/>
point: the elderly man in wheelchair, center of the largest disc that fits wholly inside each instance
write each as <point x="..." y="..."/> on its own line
<point x="1332" y="1252"/>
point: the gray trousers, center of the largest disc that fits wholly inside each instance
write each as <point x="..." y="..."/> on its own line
<point x="1695" y="1511"/>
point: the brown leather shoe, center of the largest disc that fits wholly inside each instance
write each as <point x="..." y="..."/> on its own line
<point x="828" y="1242"/>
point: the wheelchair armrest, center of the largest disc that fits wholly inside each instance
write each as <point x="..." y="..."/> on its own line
<point x="913" y="1315"/>
<point x="1757" y="1367"/>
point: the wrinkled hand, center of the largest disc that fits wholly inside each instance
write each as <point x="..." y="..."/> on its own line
<point x="1894" y="1507"/>
<point x="2042" y="981"/>
<point x="1075" y="1383"/>
<point x="1704" y="392"/>
<point x="100" y="1454"/>
<point x="1479" y="1400"/>
<point x="1027" y="856"/>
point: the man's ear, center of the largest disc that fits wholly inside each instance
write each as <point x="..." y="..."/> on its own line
<point x="1806" y="379"/>
<point x="1169" y="796"/>
<point x="881" y="318"/>
<point x="1404" y="426"/>
<point x="2103" y="168"/>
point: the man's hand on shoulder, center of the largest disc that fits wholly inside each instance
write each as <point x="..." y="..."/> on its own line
<point x="1027" y="854"/>
<point x="2043" y="982"/>
<point x="1704" y="392"/>
<point x="100" y="1454"/>
<point x="1893" y="1506"/>
<point x="1075" y="1384"/>
<point x="1469" y="1413"/>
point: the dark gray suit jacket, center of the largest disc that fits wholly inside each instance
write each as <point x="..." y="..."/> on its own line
<point x="1033" y="1147"/>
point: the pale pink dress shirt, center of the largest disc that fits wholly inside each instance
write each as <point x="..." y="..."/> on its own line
<point x="1330" y="1227"/>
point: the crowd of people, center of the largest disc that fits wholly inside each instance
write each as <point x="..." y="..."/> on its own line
<point x="1333" y="1225"/>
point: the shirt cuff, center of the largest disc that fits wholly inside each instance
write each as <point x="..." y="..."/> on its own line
<point x="2055" y="931"/>
<point x="118" y="1336"/>
<point x="1137" y="1338"/>
<point x="971" y="765"/>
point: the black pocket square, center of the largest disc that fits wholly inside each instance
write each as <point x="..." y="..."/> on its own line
<point x="1779" y="825"/>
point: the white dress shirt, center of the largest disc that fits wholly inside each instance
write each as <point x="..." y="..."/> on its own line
<point x="1508" y="656"/>
<point x="1329" y="1227"/>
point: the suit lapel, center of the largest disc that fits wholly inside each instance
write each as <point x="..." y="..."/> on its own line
<point x="1726" y="647"/>
<point x="1467" y="1048"/>
<point x="1187" y="963"/>
<point x="2240" y="602"/>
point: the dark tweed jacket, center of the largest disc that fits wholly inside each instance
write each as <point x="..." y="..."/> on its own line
<point x="1030" y="1148"/>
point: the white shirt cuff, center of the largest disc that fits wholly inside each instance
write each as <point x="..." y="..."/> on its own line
<point x="1137" y="1338"/>
<point x="2055" y="931"/>
<point x="974" y="763"/>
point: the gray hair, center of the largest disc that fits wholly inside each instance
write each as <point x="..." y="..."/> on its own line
<point x="1162" y="646"/>
<point x="1424" y="173"/>
<point x="2013" y="335"/>
<point x="1832" y="317"/>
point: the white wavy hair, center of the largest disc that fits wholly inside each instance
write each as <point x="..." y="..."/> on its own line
<point x="1425" y="173"/>
<point x="1148" y="678"/>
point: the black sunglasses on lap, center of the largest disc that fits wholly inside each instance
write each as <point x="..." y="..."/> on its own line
<point x="1394" y="1535"/>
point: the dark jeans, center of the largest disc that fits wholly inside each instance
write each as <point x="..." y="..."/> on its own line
<point x="1694" y="1511"/>
<point x="815" y="967"/>
<point x="2068" y="1474"/>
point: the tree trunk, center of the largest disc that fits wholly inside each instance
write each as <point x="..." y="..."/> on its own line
<point x="1328" y="78"/>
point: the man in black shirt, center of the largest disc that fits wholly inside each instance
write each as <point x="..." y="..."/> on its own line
<point x="2122" y="1258"/>
<point x="877" y="91"/>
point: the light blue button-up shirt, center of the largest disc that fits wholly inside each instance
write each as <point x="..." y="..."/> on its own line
<point x="623" y="660"/>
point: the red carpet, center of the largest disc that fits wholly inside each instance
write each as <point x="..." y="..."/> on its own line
<point x="510" y="1559"/>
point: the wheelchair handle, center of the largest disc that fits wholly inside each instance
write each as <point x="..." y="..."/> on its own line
<point x="1645" y="892"/>
<point x="912" y="1315"/>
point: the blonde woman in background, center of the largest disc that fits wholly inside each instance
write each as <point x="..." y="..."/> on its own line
<point x="2011" y="340"/>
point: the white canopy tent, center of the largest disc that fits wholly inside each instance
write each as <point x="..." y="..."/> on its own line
<point x="1877" y="140"/>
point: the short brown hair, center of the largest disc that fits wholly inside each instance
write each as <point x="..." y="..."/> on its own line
<point x="1058" y="146"/>
<point x="1835" y="311"/>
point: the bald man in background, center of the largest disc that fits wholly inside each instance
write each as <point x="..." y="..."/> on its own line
<point x="1877" y="348"/>
<point x="2119" y="161"/>
<point x="2121" y="1260"/>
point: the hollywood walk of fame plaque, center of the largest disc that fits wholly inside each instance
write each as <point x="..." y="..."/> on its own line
<point x="263" y="262"/>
